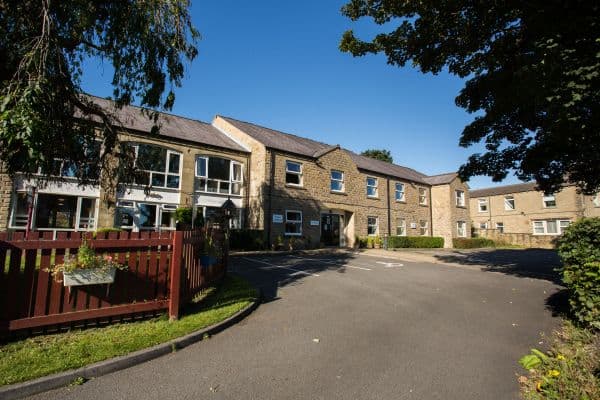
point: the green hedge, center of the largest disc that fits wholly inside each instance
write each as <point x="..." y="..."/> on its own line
<point x="247" y="239"/>
<point x="472" y="243"/>
<point x="579" y="249"/>
<point x="421" y="242"/>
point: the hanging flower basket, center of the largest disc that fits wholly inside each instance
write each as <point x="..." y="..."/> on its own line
<point x="82" y="277"/>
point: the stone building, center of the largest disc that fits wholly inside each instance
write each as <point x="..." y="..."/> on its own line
<point x="521" y="209"/>
<point x="303" y="188"/>
<point x="189" y="164"/>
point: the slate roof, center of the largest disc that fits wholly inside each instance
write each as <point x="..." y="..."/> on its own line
<point x="507" y="189"/>
<point x="280" y="140"/>
<point x="311" y="148"/>
<point x="442" y="179"/>
<point x="171" y="126"/>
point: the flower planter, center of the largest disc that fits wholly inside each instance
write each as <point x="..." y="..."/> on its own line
<point x="207" y="261"/>
<point x="82" y="277"/>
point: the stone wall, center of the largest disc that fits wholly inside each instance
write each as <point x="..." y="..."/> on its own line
<point x="518" y="239"/>
<point x="446" y="213"/>
<point x="6" y="189"/>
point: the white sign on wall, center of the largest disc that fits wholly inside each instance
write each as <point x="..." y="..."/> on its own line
<point x="277" y="218"/>
<point x="413" y="225"/>
<point x="314" y="222"/>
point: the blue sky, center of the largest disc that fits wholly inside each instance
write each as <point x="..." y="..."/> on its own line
<point x="277" y="63"/>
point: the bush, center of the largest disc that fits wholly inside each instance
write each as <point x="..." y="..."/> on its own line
<point x="579" y="250"/>
<point x="184" y="217"/>
<point x="106" y="230"/>
<point x="472" y="243"/>
<point x="247" y="239"/>
<point x="420" y="242"/>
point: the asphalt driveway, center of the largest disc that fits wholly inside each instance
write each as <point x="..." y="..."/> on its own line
<point x="349" y="326"/>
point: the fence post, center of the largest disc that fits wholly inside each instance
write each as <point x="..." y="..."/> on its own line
<point x="175" y="284"/>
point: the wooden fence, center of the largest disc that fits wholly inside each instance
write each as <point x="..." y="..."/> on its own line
<point x="163" y="272"/>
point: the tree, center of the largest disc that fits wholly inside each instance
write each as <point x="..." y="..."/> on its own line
<point x="532" y="76"/>
<point x="382" y="155"/>
<point x="43" y="45"/>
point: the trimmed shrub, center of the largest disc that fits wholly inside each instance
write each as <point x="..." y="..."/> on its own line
<point x="417" y="242"/>
<point x="247" y="239"/>
<point x="472" y="243"/>
<point x="579" y="249"/>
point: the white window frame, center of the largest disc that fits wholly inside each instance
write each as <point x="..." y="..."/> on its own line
<point x="483" y="225"/>
<point x="422" y="196"/>
<point x="232" y="181"/>
<point x="423" y="227"/>
<point x="480" y="203"/>
<point x="596" y="200"/>
<point x="376" y="225"/>
<point x="542" y="224"/>
<point x="461" y="228"/>
<point x="340" y="181"/>
<point x="551" y="198"/>
<point x="401" y="224"/>
<point x="299" y="173"/>
<point x="507" y="201"/>
<point x="293" y="221"/>
<point x="500" y="227"/>
<point x="166" y="173"/>
<point x="460" y="198"/>
<point x="375" y="186"/>
<point x="400" y="192"/>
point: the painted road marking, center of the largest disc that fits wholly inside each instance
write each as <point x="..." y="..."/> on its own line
<point x="297" y="271"/>
<point x="332" y="263"/>
<point x="389" y="264"/>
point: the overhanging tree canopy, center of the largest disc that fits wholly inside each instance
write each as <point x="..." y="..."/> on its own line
<point x="43" y="45"/>
<point x="532" y="71"/>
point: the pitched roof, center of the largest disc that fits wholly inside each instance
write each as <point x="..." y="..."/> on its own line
<point x="507" y="189"/>
<point x="386" y="168"/>
<point x="442" y="179"/>
<point x="171" y="126"/>
<point x="280" y="140"/>
<point x="311" y="148"/>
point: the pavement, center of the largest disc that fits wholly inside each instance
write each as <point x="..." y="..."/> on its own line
<point x="368" y="325"/>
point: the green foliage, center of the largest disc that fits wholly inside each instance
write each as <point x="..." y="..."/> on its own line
<point x="472" y="243"/>
<point x="532" y="85"/>
<point x="579" y="250"/>
<point x="106" y="230"/>
<point x="381" y="155"/>
<point x="43" y="48"/>
<point x="247" y="239"/>
<point x="420" y="242"/>
<point x="184" y="216"/>
<point x="566" y="371"/>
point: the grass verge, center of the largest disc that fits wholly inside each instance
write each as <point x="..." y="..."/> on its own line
<point x="43" y="355"/>
<point x="570" y="370"/>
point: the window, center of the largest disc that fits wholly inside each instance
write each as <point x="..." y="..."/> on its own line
<point x="400" y="192"/>
<point x="293" y="173"/>
<point x="55" y="212"/>
<point x="212" y="217"/>
<point x="550" y="227"/>
<point x="293" y="223"/>
<point x="218" y="175"/>
<point x="461" y="228"/>
<point x="371" y="187"/>
<point x="69" y="169"/>
<point x="549" y="201"/>
<point x="483" y="225"/>
<point x="423" y="228"/>
<point x="596" y="200"/>
<point x="401" y="227"/>
<point x="145" y="216"/>
<point x="509" y="202"/>
<point x="500" y="227"/>
<point x="460" y="198"/>
<point x="372" y="226"/>
<point x="422" y="196"/>
<point x="483" y="205"/>
<point x="158" y="167"/>
<point x="337" y="181"/>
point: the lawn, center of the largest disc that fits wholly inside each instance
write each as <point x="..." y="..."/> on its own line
<point x="43" y="355"/>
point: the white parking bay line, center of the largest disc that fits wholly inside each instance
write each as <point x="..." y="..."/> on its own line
<point x="297" y="271"/>
<point x="332" y="263"/>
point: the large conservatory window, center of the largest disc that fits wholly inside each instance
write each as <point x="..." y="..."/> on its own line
<point x="56" y="212"/>
<point x="158" y="166"/>
<point x="219" y="175"/>
<point x="69" y="169"/>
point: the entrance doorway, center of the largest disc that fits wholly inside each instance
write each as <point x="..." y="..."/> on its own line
<point x="330" y="229"/>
